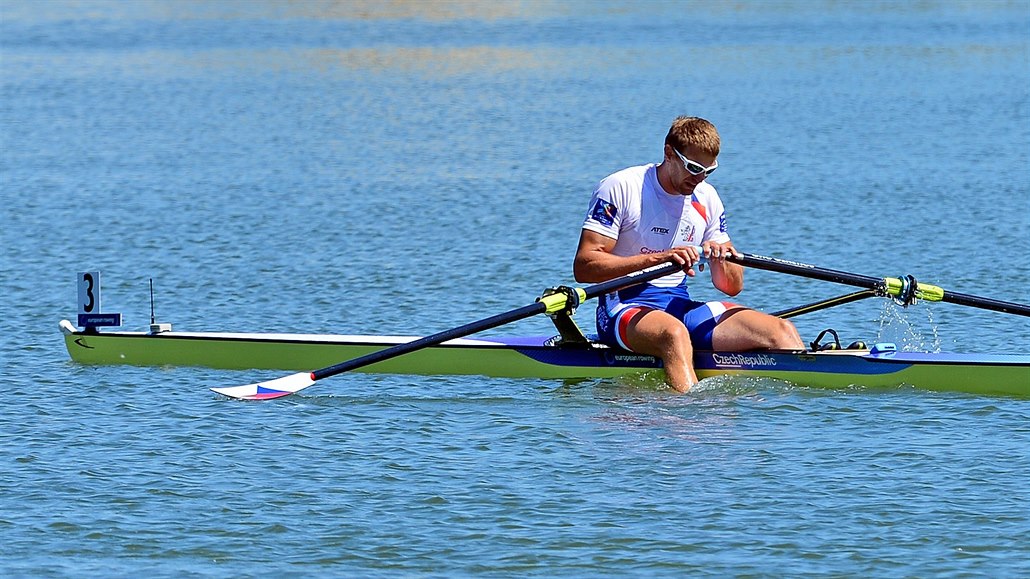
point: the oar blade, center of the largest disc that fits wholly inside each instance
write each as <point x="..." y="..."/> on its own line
<point x="270" y="389"/>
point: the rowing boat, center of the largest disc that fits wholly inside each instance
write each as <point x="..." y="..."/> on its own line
<point x="548" y="358"/>
<point x="569" y="355"/>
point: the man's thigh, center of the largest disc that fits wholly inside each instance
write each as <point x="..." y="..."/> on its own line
<point x="744" y="329"/>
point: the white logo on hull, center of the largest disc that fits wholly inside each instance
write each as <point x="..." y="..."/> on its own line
<point x="744" y="360"/>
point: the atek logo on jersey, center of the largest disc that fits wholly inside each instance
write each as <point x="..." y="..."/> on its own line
<point x="722" y="223"/>
<point x="604" y="212"/>
<point x="687" y="233"/>
<point x="660" y="230"/>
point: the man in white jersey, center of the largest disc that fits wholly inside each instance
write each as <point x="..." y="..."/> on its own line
<point x="651" y="214"/>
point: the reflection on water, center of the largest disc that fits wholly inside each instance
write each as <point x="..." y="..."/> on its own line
<point x="432" y="61"/>
<point x="643" y="404"/>
<point x="432" y="10"/>
<point x="429" y="10"/>
<point x="757" y="62"/>
<point x="453" y="10"/>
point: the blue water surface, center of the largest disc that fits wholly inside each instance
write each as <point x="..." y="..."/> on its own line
<point x="406" y="167"/>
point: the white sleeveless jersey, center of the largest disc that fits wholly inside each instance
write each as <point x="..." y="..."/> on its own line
<point x="631" y="207"/>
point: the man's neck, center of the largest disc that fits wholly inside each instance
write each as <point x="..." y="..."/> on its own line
<point x="664" y="181"/>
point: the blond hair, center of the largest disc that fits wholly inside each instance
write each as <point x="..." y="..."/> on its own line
<point x="693" y="132"/>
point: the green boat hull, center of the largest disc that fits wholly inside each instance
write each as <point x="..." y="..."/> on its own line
<point x="538" y="357"/>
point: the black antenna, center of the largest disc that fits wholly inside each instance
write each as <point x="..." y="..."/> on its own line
<point x="156" y="328"/>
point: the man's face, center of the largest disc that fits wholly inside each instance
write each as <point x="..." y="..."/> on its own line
<point x="686" y="163"/>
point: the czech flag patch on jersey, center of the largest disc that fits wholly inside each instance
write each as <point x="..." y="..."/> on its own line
<point x="604" y="213"/>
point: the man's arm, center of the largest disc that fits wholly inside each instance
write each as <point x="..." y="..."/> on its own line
<point x="727" y="277"/>
<point x="595" y="263"/>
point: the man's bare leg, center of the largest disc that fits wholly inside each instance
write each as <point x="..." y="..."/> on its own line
<point x="743" y="329"/>
<point x="659" y="334"/>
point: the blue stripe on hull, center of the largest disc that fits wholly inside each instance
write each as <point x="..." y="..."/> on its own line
<point x="589" y="357"/>
<point x="785" y="362"/>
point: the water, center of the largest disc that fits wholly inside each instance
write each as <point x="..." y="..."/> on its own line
<point x="407" y="167"/>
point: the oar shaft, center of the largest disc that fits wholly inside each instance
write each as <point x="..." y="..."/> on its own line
<point x="637" y="277"/>
<point x="427" y="341"/>
<point x="810" y="271"/>
<point x="547" y="304"/>
<point x="985" y="303"/>
<point x="889" y="286"/>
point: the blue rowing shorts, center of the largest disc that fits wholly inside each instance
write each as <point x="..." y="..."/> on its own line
<point x="615" y="310"/>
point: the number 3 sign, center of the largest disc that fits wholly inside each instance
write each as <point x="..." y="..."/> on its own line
<point x="89" y="303"/>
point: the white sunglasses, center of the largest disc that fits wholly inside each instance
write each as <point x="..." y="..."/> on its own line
<point x="695" y="168"/>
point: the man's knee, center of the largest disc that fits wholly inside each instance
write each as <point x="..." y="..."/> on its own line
<point x="785" y="335"/>
<point x="677" y="332"/>
<point x="661" y="335"/>
<point x="676" y="339"/>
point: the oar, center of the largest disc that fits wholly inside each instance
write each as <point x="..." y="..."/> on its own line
<point x="551" y="303"/>
<point x="906" y="289"/>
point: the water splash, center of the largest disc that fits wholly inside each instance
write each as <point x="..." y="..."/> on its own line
<point x="898" y="325"/>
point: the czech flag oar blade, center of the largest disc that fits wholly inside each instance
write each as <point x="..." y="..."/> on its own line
<point x="270" y="389"/>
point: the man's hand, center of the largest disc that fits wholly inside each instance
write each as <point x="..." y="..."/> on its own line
<point x="719" y="251"/>
<point x="687" y="256"/>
